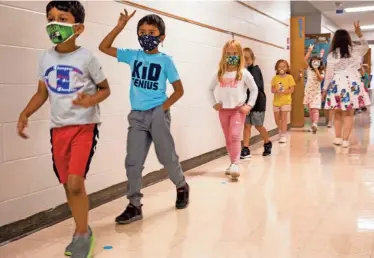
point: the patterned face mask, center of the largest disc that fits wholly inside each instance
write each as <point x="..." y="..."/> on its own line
<point x="316" y="64"/>
<point x="148" y="42"/>
<point x="233" y="60"/>
<point x="60" y="32"/>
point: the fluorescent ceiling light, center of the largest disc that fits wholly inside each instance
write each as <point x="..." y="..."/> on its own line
<point x="359" y="9"/>
<point x="367" y="27"/>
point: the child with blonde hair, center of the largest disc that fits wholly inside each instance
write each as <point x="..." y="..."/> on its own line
<point x="282" y="86"/>
<point x="228" y="91"/>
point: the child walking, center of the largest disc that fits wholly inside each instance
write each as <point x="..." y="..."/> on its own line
<point x="313" y="96"/>
<point x="75" y="114"/>
<point x="230" y="85"/>
<point x="149" y="119"/>
<point x="257" y="115"/>
<point x="282" y="86"/>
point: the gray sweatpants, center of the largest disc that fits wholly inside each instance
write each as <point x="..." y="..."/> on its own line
<point x="145" y="127"/>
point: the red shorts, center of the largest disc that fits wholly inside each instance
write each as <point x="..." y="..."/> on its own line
<point x="72" y="150"/>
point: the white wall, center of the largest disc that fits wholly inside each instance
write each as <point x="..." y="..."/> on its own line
<point x="328" y="26"/>
<point x="28" y="184"/>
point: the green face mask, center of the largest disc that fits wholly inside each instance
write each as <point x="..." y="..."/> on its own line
<point x="233" y="60"/>
<point x="60" y="32"/>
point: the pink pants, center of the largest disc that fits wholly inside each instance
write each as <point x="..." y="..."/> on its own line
<point x="314" y="115"/>
<point x="232" y="122"/>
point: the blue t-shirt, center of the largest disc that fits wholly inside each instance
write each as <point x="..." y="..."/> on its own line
<point x="148" y="77"/>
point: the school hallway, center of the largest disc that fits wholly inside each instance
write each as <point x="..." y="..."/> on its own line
<point x="308" y="200"/>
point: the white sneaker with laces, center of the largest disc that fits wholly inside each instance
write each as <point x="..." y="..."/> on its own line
<point x="235" y="171"/>
<point x="346" y="144"/>
<point x="338" y="141"/>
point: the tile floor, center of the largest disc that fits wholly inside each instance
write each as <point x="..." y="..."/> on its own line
<point x="308" y="200"/>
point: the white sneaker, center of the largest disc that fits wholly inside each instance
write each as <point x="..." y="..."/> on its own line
<point x="314" y="127"/>
<point x="338" y="141"/>
<point x="283" y="139"/>
<point x="235" y="171"/>
<point x="346" y="144"/>
<point x="329" y="125"/>
<point x="228" y="170"/>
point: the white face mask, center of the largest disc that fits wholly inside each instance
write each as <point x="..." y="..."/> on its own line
<point x="316" y="64"/>
<point x="281" y="72"/>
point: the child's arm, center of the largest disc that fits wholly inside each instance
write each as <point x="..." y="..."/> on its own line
<point x="319" y="75"/>
<point x="273" y="89"/>
<point x="106" y="45"/>
<point x="98" y="77"/>
<point x="39" y="98"/>
<point x="253" y="89"/>
<point x="307" y="56"/>
<point x="177" y="94"/>
<point x="292" y="84"/>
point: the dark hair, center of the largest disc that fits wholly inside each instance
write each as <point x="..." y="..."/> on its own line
<point x="282" y="61"/>
<point x="343" y="42"/>
<point x="154" y="20"/>
<point x="321" y="66"/>
<point x="73" y="7"/>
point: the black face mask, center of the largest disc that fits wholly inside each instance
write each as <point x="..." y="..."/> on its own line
<point x="148" y="42"/>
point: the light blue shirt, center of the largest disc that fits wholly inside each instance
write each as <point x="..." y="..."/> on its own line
<point x="148" y="77"/>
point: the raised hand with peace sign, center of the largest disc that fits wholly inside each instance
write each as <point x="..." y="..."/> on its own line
<point x="357" y="29"/>
<point x="124" y="18"/>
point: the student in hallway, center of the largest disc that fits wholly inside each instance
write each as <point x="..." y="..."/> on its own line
<point x="230" y="85"/>
<point x="313" y="96"/>
<point x="282" y="86"/>
<point x="347" y="92"/>
<point x="257" y="115"/>
<point x="75" y="113"/>
<point x="149" y="119"/>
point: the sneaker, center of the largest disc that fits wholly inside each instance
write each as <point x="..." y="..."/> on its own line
<point x="246" y="153"/>
<point x="183" y="196"/>
<point x="234" y="171"/>
<point x="329" y="125"/>
<point x="314" y="128"/>
<point x="131" y="214"/>
<point x="69" y="248"/>
<point x="346" y="144"/>
<point x="228" y="170"/>
<point x="267" y="149"/>
<point x="83" y="246"/>
<point x="338" y="141"/>
<point x="283" y="139"/>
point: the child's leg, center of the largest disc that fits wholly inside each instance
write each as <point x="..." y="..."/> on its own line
<point x="165" y="147"/>
<point x="236" y="126"/>
<point x="347" y="124"/>
<point x="284" y="118"/>
<point x="277" y="118"/>
<point x="263" y="132"/>
<point x="314" y="115"/>
<point x="224" y="118"/>
<point x="138" y="144"/>
<point x="82" y="149"/>
<point x="247" y="134"/>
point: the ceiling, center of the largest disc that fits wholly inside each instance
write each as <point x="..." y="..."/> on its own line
<point x="345" y="20"/>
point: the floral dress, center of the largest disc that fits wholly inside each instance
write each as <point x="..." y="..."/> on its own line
<point x="312" y="93"/>
<point x="345" y="90"/>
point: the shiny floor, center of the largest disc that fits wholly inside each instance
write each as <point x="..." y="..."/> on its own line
<point x="308" y="200"/>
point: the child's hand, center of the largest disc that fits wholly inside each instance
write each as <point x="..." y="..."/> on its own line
<point x="245" y="109"/>
<point x="324" y="94"/>
<point x="357" y="29"/>
<point x="124" y="18"/>
<point x="217" y="106"/>
<point x="21" y="125"/>
<point x="83" y="100"/>
<point x="311" y="46"/>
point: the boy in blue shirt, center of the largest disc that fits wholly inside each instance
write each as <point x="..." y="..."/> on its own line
<point x="149" y="119"/>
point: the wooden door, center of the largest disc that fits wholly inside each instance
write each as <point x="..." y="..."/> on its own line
<point x="297" y="69"/>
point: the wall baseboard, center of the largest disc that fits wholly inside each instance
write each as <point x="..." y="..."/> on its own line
<point x="44" y="219"/>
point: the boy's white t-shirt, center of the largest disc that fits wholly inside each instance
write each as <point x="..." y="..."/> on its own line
<point x="232" y="93"/>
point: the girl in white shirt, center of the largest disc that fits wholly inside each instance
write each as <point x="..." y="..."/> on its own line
<point x="343" y="88"/>
<point x="228" y="92"/>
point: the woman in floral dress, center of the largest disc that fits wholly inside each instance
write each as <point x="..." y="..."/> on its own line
<point x="343" y="88"/>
